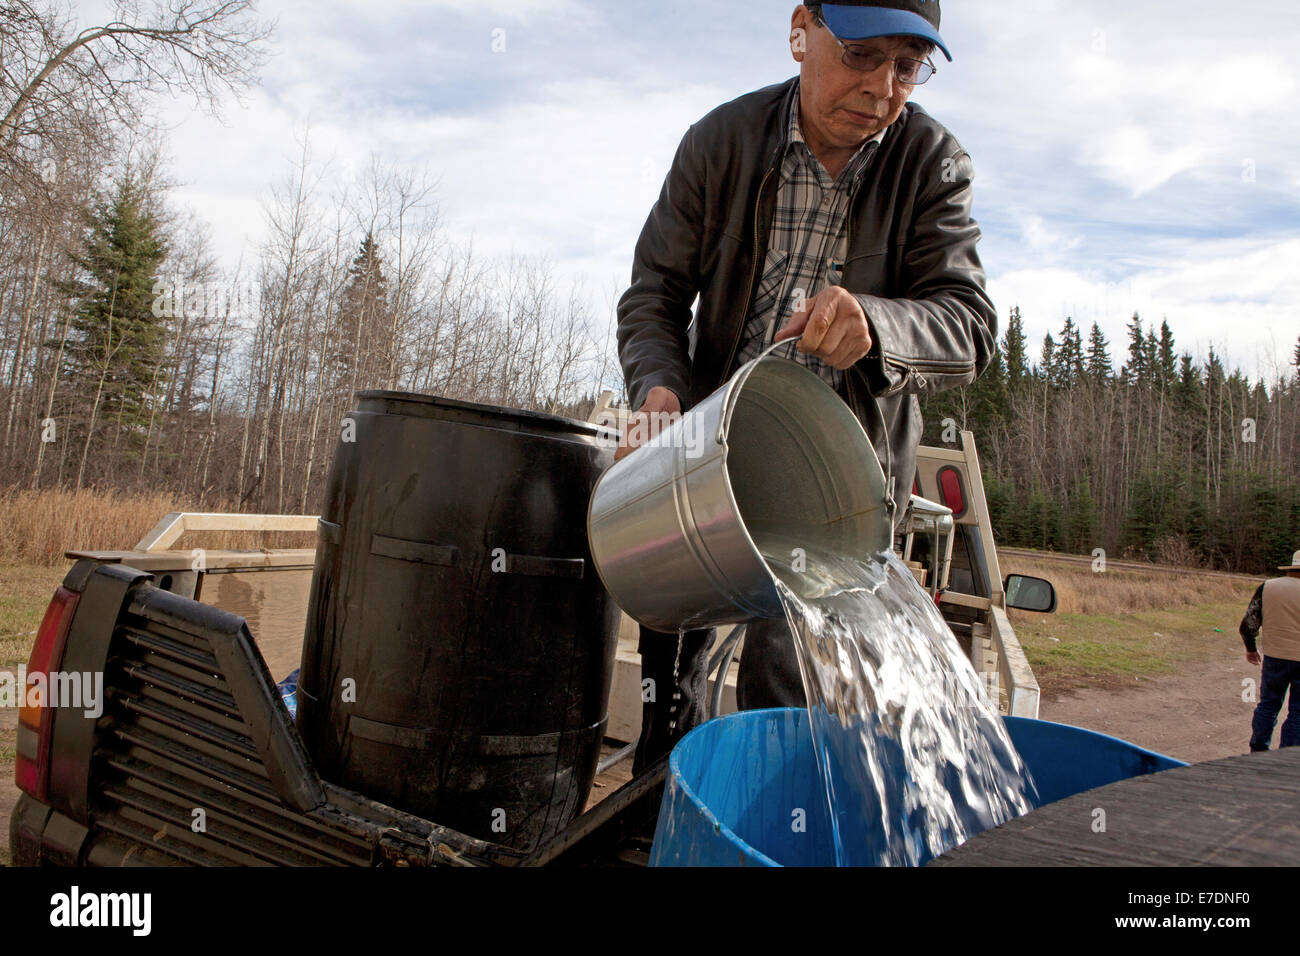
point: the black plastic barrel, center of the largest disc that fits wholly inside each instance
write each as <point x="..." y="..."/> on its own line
<point x="459" y="644"/>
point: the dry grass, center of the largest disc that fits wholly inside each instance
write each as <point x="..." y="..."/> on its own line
<point x="1119" y="626"/>
<point x="36" y="528"/>
<point x="1080" y="590"/>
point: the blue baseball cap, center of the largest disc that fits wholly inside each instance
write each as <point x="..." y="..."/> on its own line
<point x="863" y="19"/>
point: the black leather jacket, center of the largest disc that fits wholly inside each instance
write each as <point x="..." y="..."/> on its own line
<point x="911" y="263"/>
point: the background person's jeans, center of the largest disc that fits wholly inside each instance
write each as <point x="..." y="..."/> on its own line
<point x="1276" y="676"/>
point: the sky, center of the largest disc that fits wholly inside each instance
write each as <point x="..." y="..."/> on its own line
<point x="1129" y="156"/>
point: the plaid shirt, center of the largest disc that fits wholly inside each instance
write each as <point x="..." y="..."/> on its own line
<point x="808" y="242"/>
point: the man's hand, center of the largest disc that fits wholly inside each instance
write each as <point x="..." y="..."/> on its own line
<point x="1252" y="657"/>
<point x="833" y="326"/>
<point x="649" y="419"/>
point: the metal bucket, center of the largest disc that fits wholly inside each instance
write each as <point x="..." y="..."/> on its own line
<point x="772" y="458"/>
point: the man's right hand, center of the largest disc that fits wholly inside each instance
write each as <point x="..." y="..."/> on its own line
<point x="649" y="419"/>
<point x="1252" y="657"/>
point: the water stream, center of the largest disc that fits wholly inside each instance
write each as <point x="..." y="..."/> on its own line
<point x="913" y="755"/>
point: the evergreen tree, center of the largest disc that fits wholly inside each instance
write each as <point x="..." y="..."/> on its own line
<point x="1013" y="347"/>
<point x="362" y="305"/>
<point x="987" y="396"/>
<point x="1214" y="374"/>
<point x="1136" y="367"/>
<point x="1097" y="364"/>
<point x="1187" y="390"/>
<point x="1069" y="356"/>
<point x="1151" y="357"/>
<point x="1081" y="521"/>
<point x="1047" y="360"/>
<point x="1166" y="360"/>
<point x="113" y="357"/>
<point x="1001" y="499"/>
<point x="1297" y="355"/>
<point x="1146" y="523"/>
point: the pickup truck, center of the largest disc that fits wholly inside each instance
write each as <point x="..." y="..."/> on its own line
<point x="188" y="754"/>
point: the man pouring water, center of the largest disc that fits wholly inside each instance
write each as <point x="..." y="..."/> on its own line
<point x="827" y="209"/>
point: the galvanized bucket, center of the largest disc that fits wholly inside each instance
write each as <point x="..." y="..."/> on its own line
<point x="773" y="458"/>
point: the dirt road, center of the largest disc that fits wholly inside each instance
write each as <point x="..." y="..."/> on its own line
<point x="1195" y="714"/>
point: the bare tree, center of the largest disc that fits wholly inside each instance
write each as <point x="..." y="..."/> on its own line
<point x="53" y="68"/>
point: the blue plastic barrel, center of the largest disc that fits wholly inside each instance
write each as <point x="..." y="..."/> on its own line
<point x="733" y="781"/>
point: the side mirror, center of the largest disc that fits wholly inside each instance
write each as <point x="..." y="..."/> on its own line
<point x="1029" y="594"/>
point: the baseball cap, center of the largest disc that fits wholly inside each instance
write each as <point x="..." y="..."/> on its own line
<point x="862" y="19"/>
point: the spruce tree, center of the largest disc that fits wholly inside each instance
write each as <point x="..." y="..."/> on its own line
<point x="1168" y="369"/>
<point x="1069" y="356"/>
<point x="362" y="306"/>
<point x="988" y="401"/>
<point x="1047" y="360"/>
<point x="1081" y="522"/>
<point x="1151" y="357"/>
<point x="1013" y="347"/>
<point x="1098" y="364"/>
<point x="116" y="342"/>
<point x="1136" y="366"/>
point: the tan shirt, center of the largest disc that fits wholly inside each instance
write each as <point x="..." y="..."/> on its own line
<point x="1280" y="621"/>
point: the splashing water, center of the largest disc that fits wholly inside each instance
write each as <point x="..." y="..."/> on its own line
<point x="914" y="757"/>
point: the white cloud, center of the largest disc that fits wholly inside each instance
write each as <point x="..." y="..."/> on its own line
<point x="1238" y="296"/>
<point x="1044" y="240"/>
<point x="1130" y="156"/>
<point x="1109" y="137"/>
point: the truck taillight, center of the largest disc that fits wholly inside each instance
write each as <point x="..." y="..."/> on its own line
<point x="32" y="767"/>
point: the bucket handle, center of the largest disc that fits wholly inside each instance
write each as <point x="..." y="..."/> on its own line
<point x="738" y="382"/>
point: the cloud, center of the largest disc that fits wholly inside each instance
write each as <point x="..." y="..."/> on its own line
<point x="1235" y="295"/>
<point x="1128" y="156"/>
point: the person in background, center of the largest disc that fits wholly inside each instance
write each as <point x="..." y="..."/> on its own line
<point x="827" y="209"/>
<point x="1275" y="609"/>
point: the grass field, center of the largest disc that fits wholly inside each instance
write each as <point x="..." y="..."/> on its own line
<point x="1118" y="625"/>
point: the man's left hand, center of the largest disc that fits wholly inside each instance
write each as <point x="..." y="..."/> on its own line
<point x="833" y="326"/>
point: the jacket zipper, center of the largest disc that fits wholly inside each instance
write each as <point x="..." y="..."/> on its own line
<point x="753" y="276"/>
<point x="908" y="370"/>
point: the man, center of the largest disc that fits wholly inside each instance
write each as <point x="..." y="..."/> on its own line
<point x="1276" y="609"/>
<point x="826" y="208"/>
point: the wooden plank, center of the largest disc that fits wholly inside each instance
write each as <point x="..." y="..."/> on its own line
<point x="212" y="560"/>
<point x="965" y="600"/>
<point x="172" y="526"/>
<point x="1241" y="811"/>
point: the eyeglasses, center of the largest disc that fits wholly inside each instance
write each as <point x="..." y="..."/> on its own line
<point x="907" y="71"/>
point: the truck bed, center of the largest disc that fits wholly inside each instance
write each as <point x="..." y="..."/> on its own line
<point x="195" y="759"/>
